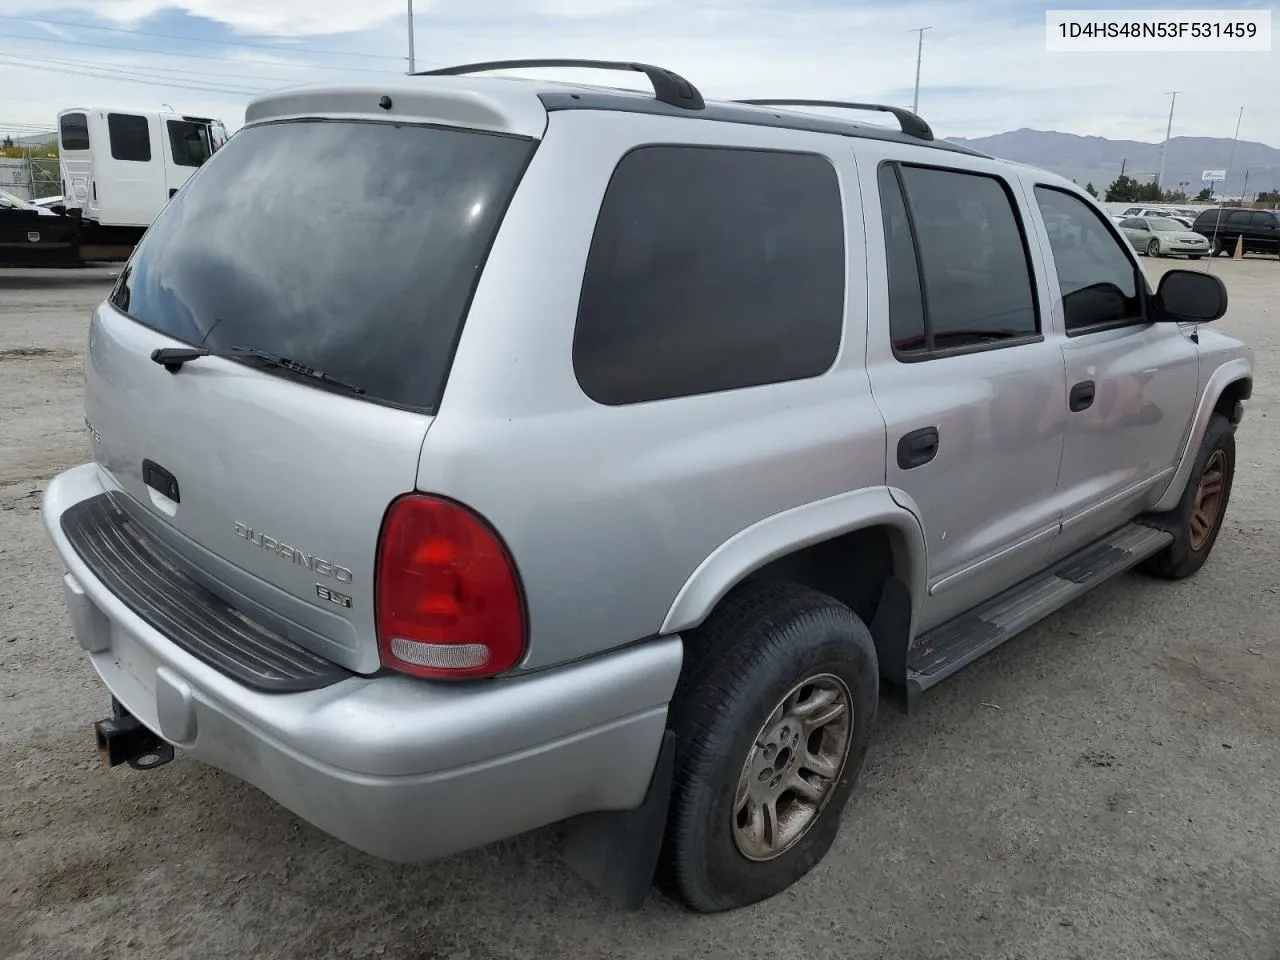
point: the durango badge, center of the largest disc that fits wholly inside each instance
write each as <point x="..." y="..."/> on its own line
<point x="324" y="568"/>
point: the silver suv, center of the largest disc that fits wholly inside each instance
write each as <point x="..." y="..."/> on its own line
<point x="472" y="454"/>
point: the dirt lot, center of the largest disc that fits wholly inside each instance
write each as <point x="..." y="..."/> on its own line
<point x="1106" y="786"/>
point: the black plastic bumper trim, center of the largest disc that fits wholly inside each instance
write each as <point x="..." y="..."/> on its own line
<point x="136" y="568"/>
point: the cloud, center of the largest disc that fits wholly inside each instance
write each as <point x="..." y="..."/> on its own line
<point x="985" y="67"/>
<point x="276" y="17"/>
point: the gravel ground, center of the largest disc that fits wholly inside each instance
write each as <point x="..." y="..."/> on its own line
<point x="1105" y="786"/>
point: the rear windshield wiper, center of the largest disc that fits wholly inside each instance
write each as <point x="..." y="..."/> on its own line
<point x="172" y="359"/>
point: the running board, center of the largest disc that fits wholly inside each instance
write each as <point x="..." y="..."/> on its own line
<point x="957" y="643"/>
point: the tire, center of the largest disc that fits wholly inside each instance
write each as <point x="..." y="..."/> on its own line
<point x="1153" y="248"/>
<point x="752" y="656"/>
<point x="1192" y="540"/>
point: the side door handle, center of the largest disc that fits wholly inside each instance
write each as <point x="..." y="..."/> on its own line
<point x="917" y="447"/>
<point x="1081" y="396"/>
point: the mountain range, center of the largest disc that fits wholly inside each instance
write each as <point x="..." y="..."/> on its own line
<point x="1098" y="160"/>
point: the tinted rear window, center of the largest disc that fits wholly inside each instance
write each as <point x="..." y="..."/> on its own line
<point x="711" y="269"/>
<point x="349" y="247"/>
<point x="75" y="131"/>
<point x="130" y="137"/>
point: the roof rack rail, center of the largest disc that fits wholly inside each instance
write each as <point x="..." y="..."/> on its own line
<point x="669" y="87"/>
<point x="912" y="125"/>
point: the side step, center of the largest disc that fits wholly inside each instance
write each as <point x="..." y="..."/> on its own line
<point x="957" y="643"/>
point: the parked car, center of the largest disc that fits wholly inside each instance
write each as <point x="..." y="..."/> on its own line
<point x="1259" y="228"/>
<point x="10" y="201"/>
<point x="596" y="455"/>
<point x="33" y="236"/>
<point x="1165" y="212"/>
<point x="1163" y="237"/>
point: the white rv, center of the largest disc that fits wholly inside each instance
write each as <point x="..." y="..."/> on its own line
<point x="120" y="167"/>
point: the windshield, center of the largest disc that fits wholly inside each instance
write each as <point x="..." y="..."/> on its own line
<point x="1161" y="225"/>
<point x="9" y="200"/>
<point x="347" y="247"/>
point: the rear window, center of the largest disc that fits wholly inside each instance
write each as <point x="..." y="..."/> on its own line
<point x="74" y="130"/>
<point x="130" y="137"/>
<point x="711" y="269"/>
<point x="349" y="247"/>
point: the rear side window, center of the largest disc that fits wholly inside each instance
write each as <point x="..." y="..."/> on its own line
<point x="130" y="137"/>
<point x="189" y="142"/>
<point x="974" y="265"/>
<point x="906" y="298"/>
<point x="74" y="131"/>
<point x="1239" y="218"/>
<point x="348" y="247"/>
<point x="711" y="269"/>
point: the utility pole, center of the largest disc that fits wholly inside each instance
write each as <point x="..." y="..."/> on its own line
<point x="1164" y="152"/>
<point x="412" y="67"/>
<point x="1244" y="194"/>
<point x="915" y="101"/>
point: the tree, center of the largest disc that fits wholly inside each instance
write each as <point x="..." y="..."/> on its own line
<point x="1268" y="196"/>
<point x="1092" y="191"/>
<point x="1205" y="195"/>
<point x="1123" y="189"/>
<point x="8" y="142"/>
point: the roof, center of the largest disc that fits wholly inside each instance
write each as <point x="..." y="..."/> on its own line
<point x="520" y="105"/>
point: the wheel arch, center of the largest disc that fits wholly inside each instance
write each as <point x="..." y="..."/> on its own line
<point x="1229" y="385"/>
<point x="865" y="548"/>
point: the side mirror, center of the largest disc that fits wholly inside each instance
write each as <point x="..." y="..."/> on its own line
<point x="1186" y="296"/>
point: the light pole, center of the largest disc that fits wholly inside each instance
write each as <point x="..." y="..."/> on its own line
<point x="1164" y="151"/>
<point x="915" y="101"/>
<point x="411" y="63"/>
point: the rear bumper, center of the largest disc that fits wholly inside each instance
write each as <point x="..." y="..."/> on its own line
<point x="403" y="769"/>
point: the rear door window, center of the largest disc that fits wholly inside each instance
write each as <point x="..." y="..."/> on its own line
<point x="711" y="269"/>
<point x="189" y="142"/>
<point x="1239" y="218"/>
<point x="130" y="137"/>
<point x="348" y="247"/>
<point x="74" y="131"/>
<point x="974" y="263"/>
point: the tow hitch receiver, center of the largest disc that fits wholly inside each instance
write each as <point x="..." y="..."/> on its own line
<point x="123" y="739"/>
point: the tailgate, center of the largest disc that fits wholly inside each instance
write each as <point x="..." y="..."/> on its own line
<point x="350" y="248"/>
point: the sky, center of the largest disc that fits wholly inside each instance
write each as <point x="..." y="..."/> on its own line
<point x="985" y="69"/>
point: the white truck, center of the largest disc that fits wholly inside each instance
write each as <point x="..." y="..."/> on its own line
<point x="119" y="168"/>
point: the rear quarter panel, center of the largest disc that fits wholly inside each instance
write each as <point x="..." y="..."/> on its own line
<point x="609" y="510"/>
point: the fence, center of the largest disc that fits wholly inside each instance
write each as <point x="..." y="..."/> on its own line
<point x="29" y="173"/>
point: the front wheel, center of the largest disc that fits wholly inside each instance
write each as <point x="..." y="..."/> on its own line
<point x="1153" y="248"/>
<point x="772" y="717"/>
<point x="1197" y="520"/>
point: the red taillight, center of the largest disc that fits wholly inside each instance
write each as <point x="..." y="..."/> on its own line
<point x="448" y="602"/>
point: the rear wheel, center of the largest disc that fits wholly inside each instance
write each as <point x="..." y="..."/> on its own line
<point x="1197" y="519"/>
<point x="772" y="719"/>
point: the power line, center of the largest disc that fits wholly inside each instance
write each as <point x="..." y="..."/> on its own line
<point x="192" y="56"/>
<point x="174" y="85"/>
<point x="190" y="39"/>
<point x="141" y="69"/>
